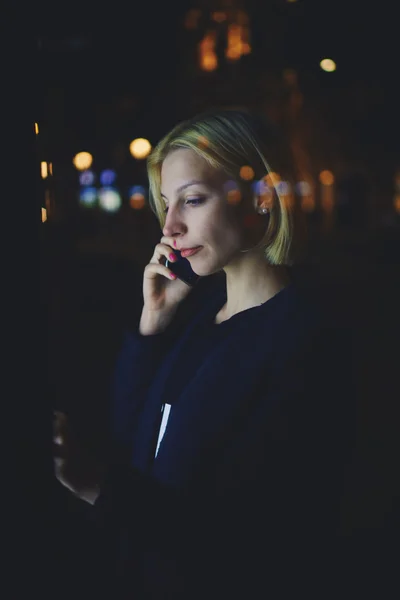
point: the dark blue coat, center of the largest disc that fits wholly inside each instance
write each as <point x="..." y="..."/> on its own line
<point x="244" y="495"/>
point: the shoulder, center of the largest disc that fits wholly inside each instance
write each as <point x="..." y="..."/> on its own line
<point x="305" y="326"/>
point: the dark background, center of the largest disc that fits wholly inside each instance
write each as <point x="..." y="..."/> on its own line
<point x="108" y="74"/>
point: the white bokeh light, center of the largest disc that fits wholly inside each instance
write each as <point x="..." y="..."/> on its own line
<point x="109" y="199"/>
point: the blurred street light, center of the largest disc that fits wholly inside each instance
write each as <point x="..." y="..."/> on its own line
<point x="140" y="148"/>
<point x="328" y="65"/>
<point x="44" y="169"/>
<point x="82" y="161"/>
<point x="326" y="177"/>
<point x="109" y="199"/>
<point x="137" y="197"/>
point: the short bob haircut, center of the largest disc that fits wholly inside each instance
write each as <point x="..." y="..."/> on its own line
<point x="229" y="139"/>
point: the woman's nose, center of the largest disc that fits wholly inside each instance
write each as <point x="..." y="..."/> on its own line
<point x="174" y="224"/>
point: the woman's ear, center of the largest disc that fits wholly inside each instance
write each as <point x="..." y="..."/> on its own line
<point x="262" y="197"/>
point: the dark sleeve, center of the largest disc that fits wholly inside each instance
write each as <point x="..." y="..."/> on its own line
<point x="135" y="369"/>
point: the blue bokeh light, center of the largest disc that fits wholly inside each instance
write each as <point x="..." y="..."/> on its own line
<point x="87" y="177"/>
<point x="107" y="177"/>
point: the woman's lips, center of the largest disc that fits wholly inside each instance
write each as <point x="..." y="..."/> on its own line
<point x="190" y="251"/>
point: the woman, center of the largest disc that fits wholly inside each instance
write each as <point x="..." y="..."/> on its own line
<point x="230" y="407"/>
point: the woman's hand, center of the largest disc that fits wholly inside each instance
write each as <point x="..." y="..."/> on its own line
<point x="74" y="467"/>
<point x="162" y="290"/>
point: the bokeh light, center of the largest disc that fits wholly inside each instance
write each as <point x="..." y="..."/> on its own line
<point x="261" y="187"/>
<point x="328" y="65"/>
<point x="82" y="161"/>
<point x="307" y="201"/>
<point x="283" y="188"/>
<point x="140" y="148"/>
<point x="44" y="215"/>
<point x="137" y="197"/>
<point x="209" y="61"/>
<point x="44" y="169"/>
<point x="207" y="56"/>
<point x="303" y="188"/>
<point x="326" y="177"/>
<point x="87" y="178"/>
<point x="107" y="177"/>
<point x="246" y="173"/>
<point x="36" y="128"/>
<point x="88" y="196"/>
<point x="109" y="199"/>
<point x="232" y="191"/>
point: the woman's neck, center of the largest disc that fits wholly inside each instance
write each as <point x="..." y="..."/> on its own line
<point x="251" y="281"/>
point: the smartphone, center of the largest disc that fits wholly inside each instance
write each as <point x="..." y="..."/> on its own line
<point x="183" y="269"/>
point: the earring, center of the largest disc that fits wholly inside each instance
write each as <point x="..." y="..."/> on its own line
<point x="262" y="210"/>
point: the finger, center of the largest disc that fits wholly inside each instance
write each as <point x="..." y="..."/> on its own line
<point x="169" y="241"/>
<point x="153" y="270"/>
<point x="163" y="251"/>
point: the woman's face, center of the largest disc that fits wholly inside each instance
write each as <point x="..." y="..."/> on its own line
<point x="198" y="215"/>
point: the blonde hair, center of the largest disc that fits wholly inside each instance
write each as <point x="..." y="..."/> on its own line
<point x="229" y="139"/>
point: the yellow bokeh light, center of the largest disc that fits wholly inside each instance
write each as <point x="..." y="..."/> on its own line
<point x="209" y="61"/>
<point x="246" y="173"/>
<point x="326" y="177"/>
<point x="43" y="169"/>
<point x="51" y="168"/>
<point x="82" y="161"/>
<point x="396" y="203"/>
<point x="36" y="128"/>
<point x="140" y="148"/>
<point x="233" y="52"/>
<point x="235" y="42"/>
<point x="328" y="65"/>
<point x="207" y="56"/>
<point x="44" y="215"/>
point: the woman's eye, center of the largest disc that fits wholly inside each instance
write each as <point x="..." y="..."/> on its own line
<point x="194" y="201"/>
